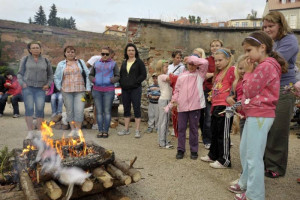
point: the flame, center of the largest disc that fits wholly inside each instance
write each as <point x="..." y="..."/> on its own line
<point x="74" y="147"/>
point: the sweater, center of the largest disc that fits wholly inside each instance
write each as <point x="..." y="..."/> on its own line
<point x="188" y="91"/>
<point x="288" y="48"/>
<point x="35" y="74"/>
<point x="207" y="85"/>
<point x="261" y="89"/>
<point x="14" y="88"/>
<point x="154" y="92"/>
<point x="135" y="77"/>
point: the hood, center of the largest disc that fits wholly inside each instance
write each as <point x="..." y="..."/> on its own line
<point x="274" y="63"/>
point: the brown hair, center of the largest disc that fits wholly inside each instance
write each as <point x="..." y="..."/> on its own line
<point x="278" y="18"/>
<point x="216" y="40"/>
<point x="31" y="43"/>
<point x="227" y="54"/>
<point x="68" y="47"/>
<point x="258" y="38"/>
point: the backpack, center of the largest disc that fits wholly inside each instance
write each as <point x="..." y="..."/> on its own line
<point x="24" y="65"/>
<point x="83" y="72"/>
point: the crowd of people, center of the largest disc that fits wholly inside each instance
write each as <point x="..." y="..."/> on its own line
<point x="193" y="91"/>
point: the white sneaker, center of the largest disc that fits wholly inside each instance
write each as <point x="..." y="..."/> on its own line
<point x="173" y="133"/>
<point x="29" y="135"/>
<point x="123" y="132"/>
<point x="206" y="159"/>
<point x="234" y="182"/>
<point x="217" y="165"/>
<point x="137" y="134"/>
<point x="207" y="146"/>
<point x="95" y="127"/>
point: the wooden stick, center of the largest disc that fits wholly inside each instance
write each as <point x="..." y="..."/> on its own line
<point x="27" y="186"/>
<point x="116" y="173"/>
<point x="114" y="194"/>
<point x="103" y="177"/>
<point x="133" y="173"/>
<point x="87" y="185"/>
<point x="52" y="190"/>
<point x="132" y="162"/>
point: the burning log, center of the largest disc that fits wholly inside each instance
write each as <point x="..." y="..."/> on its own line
<point x="27" y="186"/>
<point x="116" y="173"/>
<point x="133" y="173"/>
<point x="87" y="186"/>
<point x="103" y="177"/>
<point x="52" y="190"/>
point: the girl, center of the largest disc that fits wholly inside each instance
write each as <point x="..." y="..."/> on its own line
<point x="205" y="119"/>
<point x="198" y="52"/>
<point x="164" y="99"/>
<point x="188" y="94"/>
<point x="219" y="152"/>
<point x="261" y="92"/>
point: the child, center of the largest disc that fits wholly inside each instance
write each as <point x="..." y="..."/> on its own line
<point x="261" y="92"/>
<point x="56" y="102"/>
<point x="153" y="94"/>
<point x="164" y="99"/>
<point x="189" y="97"/>
<point x="219" y="152"/>
<point x="198" y="52"/>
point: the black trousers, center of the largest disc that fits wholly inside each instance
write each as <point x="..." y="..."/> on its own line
<point x="220" y="140"/>
<point x="132" y="96"/>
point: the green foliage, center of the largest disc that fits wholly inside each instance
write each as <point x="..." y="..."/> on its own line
<point x="40" y="17"/>
<point x="53" y="19"/>
<point x="30" y="20"/>
<point x="3" y="69"/>
<point x="67" y="23"/>
<point x="253" y="14"/>
<point x="5" y="165"/>
<point x="193" y="20"/>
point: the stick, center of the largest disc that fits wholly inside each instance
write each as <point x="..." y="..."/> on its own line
<point x="103" y="177"/>
<point x="52" y="190"/>
<point x="115" y="172"/>
<point x="87" y="185"/>
<point x="133" y="173"/>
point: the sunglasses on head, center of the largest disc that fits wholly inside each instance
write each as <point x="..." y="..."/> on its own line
<point x="104" y="54"/>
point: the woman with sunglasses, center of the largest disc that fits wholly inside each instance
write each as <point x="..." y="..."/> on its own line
<point x="132" y="74"/>
<point x="104" y="74"/>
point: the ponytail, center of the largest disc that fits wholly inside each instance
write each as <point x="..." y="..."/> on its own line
<point x="280" y="60"/>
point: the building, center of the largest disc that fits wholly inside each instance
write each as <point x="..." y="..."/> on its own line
<point x="182" y="20"/>
<point x="245" y="23"/>
<point x="215" y="24"/>
<point x="117" y="30"/>
<point x="289" y="8"/>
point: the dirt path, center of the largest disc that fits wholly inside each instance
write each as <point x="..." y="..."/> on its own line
<point x="164" y="177"/>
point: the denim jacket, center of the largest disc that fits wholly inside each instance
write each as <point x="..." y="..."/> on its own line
<point x="58" y="75"/>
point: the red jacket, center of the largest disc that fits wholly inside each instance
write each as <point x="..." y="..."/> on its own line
<point x="261" y="89"/>
<point x="207" y="85"/>
<point x="15" y="88"/>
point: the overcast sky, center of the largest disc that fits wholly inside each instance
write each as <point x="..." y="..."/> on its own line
<point x="94" y="15"/>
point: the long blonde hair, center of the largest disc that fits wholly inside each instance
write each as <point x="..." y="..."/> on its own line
<point x="159" y="67"/>
<point x="241" y="59"/>
<point x="201" y="51"/>
<point x="227" y="54"/>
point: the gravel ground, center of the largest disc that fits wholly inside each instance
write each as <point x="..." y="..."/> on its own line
<point x="164" y="177"/>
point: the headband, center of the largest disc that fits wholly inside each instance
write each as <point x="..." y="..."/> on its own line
<point x="223" y="51"/>
<point x="253" y="38"/>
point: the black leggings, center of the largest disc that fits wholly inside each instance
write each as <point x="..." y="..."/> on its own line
<point x="132" y="96"/>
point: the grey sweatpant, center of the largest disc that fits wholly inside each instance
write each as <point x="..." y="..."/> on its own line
<point x="153" y="115"/>
<point x="163" y="123"/>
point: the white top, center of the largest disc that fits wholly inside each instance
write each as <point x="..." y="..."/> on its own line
<point x="165" y="88"/>
<point x="93" y="59"/>
<point x="171" y="68"/>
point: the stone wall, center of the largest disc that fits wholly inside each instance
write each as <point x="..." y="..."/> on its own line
<point x="14" y="37"/>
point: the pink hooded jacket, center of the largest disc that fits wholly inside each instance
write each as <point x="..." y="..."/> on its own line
<point x="261" y="89"/>
<point x="188" y="91"/>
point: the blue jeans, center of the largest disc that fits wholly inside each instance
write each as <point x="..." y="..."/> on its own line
<point x="252" y="150"/>
<point x="14" y="101"/>
<point x="34" y="96"/>
<point x="103" y="102"/>
<point x="56" y="103"/>
<point x="74" y="105"/>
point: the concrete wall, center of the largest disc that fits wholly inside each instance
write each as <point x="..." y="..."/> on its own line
<point x="158" y="39"/>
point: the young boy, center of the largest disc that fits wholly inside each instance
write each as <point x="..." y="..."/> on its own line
<point x="153" y="94"/>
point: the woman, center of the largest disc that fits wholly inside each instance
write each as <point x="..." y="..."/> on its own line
<point x="14" y="92"/>
<point x="104" y="74"/>
<point x="35" y="76"/>
<point x="286" y="44"/>
<point x="71" y="78"/>
<point x="132" y="74"/>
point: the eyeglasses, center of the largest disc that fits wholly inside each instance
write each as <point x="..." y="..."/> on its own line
<point x="104" y="54"/>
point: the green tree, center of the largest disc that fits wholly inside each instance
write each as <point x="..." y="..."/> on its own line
<point x="53" y="19"/>
<point x="253" y="14"/>
<point x="40" y="17"/>
<point x="30" y="20"/>
<point x="72" y="23"/>
<point x="190" y="19"/>
<point x="198" y="21"/>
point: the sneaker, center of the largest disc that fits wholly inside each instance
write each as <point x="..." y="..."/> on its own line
<point x="240" y="196"/>
<point x="168" y="146"/>
<point x="194" y="155"/>
<point x="137" y="134"/>
<point x="236" y="189"/>
<point x="217" y="165"/>
<point x="271" y="174"/>
<point x="1" y="115"/>
<point x="149" y="130"/>
<point x="95" y="127"/>
<point x="207" y="146"/>
<point x="53" y="115"/>
<point x="29" y="135"/>
<point x="173" y="133"/>
<point x="16" y="115"/>
<point x="234" y="182"/>
<point x="123" y="132"/>
<point x="179" y="154"/>
<point x="206" y="159"/>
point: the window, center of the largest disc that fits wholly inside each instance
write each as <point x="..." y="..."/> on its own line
<point x="283" y="1"/>
<point x="293" y="21"/>
<point x="221" y="25"/>
<point x="244" y="24"/>
<point x="237" y="24"/>
<point x="254" y="24"/>
<point x="292" y="1"/>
